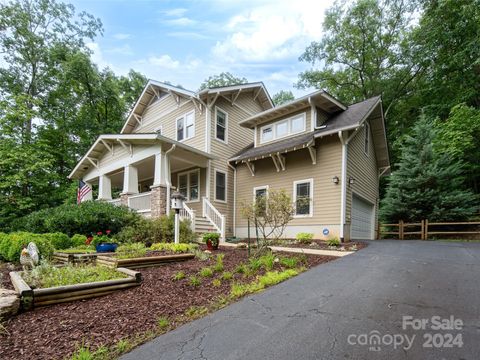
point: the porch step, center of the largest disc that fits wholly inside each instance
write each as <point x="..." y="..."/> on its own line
<point x="203" y="225"/>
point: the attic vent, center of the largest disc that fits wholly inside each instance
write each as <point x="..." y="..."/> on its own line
<point x="322" y="117"/>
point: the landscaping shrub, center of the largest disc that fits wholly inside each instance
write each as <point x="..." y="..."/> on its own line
<point x="85" y="218"/>
<point x="194" y="281"/>
<point x="78" y="240"/>
<point x="227" y="275"/>
<point x="179" y="275"/>
<point x="59" y="241"/>
<point x="333" y="242"/>
<point x="216" y="282"/>
<point x="176" y="248"/>
<point x="304" y="238"/>
<point x="130" y="251"/>
<point x="219" y="263"/>
<point x="11" y="245"/>
<point x="206" y="272"/>
<point x="167" y="229"/>
<point x="289" y="262"/>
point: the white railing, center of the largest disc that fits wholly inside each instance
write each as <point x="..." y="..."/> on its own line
<point x="116" y="202"/>
<point x="215" y="217"/>
<point x="140" y="202"/>
<point x="187" y="213"/>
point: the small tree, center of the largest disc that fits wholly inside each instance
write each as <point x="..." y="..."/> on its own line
<point x="282" y="97"/>
<point x="271" y="213"/>
<point x="222" y="79"/>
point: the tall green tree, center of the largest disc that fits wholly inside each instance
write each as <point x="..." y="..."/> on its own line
<point x="222" y="79"/>
<point x="427" y="184"/>
<point x="282" y="97"/>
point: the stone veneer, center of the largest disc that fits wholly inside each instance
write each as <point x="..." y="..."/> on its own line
<point x="158" y="200"/>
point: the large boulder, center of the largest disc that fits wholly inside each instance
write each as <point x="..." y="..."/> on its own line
<point x="9" y="303"/>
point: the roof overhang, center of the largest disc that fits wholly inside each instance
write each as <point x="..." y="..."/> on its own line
<point x="258" y="88"/>
<point x="104" y="142"/>
<point x="320" y="99"/>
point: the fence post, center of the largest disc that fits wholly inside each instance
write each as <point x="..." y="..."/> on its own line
<point x="425" y="236"/>
<point x="422" y="230"/>
<point x="378" y="230"/>
<point x="400" y="229"/>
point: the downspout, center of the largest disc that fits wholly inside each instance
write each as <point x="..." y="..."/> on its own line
<point x="343" y="183"/>
<point x="168" y="177"/>
<point x="234" y="196"/>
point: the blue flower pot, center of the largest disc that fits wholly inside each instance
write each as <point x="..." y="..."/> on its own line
<point x="106" y="247"/>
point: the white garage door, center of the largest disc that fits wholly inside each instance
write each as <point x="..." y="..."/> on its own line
<point x="362" y="219"/>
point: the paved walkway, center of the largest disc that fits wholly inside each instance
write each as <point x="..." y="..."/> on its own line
<point x="314" y="315"/>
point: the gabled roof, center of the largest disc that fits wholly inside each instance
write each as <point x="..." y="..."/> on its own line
<point x="351" y="118"/>
<point x="320" y="98"/>
<point x="103" y="142"/>
<point x="157" y="88"/>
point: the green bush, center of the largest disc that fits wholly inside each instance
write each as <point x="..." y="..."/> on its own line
<point x="219" y="263"/>
<point x="11" y="245"/>
<point x="289" y="262"/>
<point x="176" y="248"/>
<point x="206" y="272"/>
<point x="78" y="240"/>
<point x="130" y="251"/>
<point x="86" y="218"/>
<point x="167" y="229"/>
<point x="213" y="237"/>
<point x="333" y="242"/>
<point x="59" y="241"/>
<point x="305" y="238"/>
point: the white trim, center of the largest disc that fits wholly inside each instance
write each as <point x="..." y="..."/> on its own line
<point x="234" y="197"/>
<point x="366" y="139"/>
<point x="226" y="125"/>
<point x="273" y="125"/>
<point x="255" y="138"/>
<point x="295" y="183"/>
<point x="266" y="187"/>
<point x="184" y="118"/>
<point x="215" y="171"/>
<point x="188" y="184"/>
<point x="159" y="128"/>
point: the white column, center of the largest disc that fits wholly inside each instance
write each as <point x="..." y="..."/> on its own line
<point x="104" y="188"/>
<point x="130" y="180"/>
<point x="159" y="176"/>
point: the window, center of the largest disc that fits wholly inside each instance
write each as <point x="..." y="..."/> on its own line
<point x="283" y="128"/>
<point x="366" y="136"/>
<point x="221" y="125"/>
<point x="303" y="196"/>
<point x="186" y="126"/>
<point x="189" y="185"/>
<point x="220" y="186"/>
<point x="261" y="193"/>
<point x="267" y="133"/>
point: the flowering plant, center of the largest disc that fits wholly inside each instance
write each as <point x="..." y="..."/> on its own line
<point x="101" y="238"/>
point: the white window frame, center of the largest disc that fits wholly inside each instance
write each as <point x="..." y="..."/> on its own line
<point x="215" y="171"/>
<point x="217" y="109"/>
<point x="184" y="118"/>
<point x="259" y="188"/>
<point x="310" y="214"/>
<point x="366" y="139"/>
<point x="273" y="126"/>
<point x="188" y="200"/>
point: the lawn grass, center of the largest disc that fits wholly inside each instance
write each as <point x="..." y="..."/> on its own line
<point x="46" y="275"/>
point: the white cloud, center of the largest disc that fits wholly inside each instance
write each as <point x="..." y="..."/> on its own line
<point x="182" y="21"/>
<point x="174" y="12"/>
<point x="121" y="50"/>
<point x="164" y="61"/>
<point x="122" y="36"/>
<point x="97" y="55"/>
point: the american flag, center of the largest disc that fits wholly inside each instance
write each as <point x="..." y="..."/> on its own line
<point x="83" y="189"/>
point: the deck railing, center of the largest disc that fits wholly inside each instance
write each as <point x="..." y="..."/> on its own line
<point x="187" y="213"/>
<point x="215" y="217"/>
<point x="116" y="202"/>
<point x="140" y="202"/>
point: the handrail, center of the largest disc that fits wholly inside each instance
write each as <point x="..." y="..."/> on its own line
<point x="214" y="216"/>
<point x="187" y="213"/>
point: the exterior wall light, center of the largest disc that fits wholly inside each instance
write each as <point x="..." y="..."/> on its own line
<point x="335" y="180"/>
<point x="351" y="180"/>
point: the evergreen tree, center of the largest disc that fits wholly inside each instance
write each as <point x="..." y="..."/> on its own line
<point x="427" y="184"/>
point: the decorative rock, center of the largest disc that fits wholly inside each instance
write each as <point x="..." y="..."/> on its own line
<point x="9" y="303"/>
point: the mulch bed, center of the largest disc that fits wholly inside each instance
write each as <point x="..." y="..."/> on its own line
<point x="54" y="332"/>
<point x="318" y="244"/>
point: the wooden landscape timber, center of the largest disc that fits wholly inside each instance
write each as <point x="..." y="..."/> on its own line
<point x="48" y="296"/>
<point x="141" y="262"/>
<point x="79" y="258"/>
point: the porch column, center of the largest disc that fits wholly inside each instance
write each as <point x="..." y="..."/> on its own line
<point x="130" y="180"/>
<point x="104" y="188"/>
<point x="158" y="198"/>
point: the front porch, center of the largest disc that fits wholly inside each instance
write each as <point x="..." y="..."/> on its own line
<point x="141" y="173"/>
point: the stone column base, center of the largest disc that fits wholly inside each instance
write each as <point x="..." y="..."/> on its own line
<point x="124" y="199"/>
<point x="158" y="200"/>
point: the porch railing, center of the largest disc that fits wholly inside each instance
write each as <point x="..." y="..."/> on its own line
<point x="187" y="213"/>
<point x="116" y="202"/>
<point x="140" y="202"/>
<point x="214" y="216"/>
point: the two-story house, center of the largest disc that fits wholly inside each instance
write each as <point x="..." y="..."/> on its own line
<point x="223" y="146"/>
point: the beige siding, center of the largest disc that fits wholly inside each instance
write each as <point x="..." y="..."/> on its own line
<point x="237" y="138"/>
<point x="363" y="168"/>
<point x="308" y="123"/>
<point x="326" y="195"/>
<point x="165" y="112"/>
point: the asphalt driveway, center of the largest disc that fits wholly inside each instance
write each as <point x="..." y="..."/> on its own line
<point x="338" y="310"/>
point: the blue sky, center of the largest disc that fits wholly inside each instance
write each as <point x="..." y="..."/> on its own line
<point x="184" y="42"/>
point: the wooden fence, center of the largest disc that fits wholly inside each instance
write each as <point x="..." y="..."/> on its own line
<point x="425" y="229"/>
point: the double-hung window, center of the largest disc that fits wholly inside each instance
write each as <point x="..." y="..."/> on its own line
<point x="189" y="185"/>
<point x="220" y="186"/>
<point x="186" y="126"/>
<point x="366" y="136"/>
<point x="260" y="194"/>
<point x="303" y="197"/>
<point x="221" y="125"/>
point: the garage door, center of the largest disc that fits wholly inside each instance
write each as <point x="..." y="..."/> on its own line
<point x="362" y="219"/>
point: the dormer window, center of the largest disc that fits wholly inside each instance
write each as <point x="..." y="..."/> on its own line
<point x="186" y="126"/>
<point x="279" y="129"/>
<point x="267" y="133"/>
